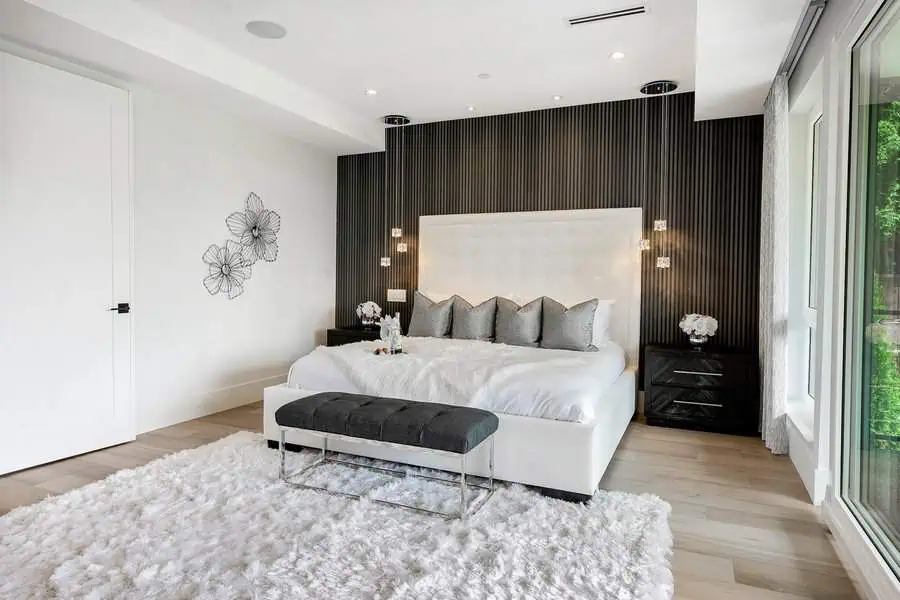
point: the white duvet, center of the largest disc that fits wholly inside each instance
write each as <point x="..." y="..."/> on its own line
<point x="533" y="382"/>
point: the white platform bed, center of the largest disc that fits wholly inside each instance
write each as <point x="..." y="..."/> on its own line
<point x="568" y="255"/>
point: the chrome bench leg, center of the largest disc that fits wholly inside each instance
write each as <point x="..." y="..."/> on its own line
<point x="491" y="466"/>
<point x="465" y="510"/>
<point x="462" y="487"/>
<point x="281" y="474"/>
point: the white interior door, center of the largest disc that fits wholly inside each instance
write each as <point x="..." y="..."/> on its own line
<point x="65" y="358"/>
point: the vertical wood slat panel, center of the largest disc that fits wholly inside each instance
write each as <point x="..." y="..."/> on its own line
<point x="589" y="156"/>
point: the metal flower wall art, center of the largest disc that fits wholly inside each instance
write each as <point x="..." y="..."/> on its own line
<point x="230" y="265"/>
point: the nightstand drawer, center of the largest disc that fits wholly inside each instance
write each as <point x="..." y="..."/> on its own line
<point x="689" y="404"/>
<point x="698" y="371"/>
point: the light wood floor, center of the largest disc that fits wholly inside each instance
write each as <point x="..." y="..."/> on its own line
<point x="743" y="525"/>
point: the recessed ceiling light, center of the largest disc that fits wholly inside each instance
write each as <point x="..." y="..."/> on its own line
<point x="617" y="55"/>
<point x="470" y="108"/>
<point x="371" y="92"/>
<point x="266" y="30"/>
<point x="484" y="76"/>
<point x="557" y="97"/>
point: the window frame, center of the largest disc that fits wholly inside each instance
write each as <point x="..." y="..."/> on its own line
<point x="851" y="411"/>
<point x="813" y="248"/>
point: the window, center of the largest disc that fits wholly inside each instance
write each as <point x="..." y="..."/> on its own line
<point x="806" y="126"/>
<point x="813" y="254"/>
<point x="871" y="439"/>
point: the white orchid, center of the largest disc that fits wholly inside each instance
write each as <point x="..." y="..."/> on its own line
<point x="697" y="324"/>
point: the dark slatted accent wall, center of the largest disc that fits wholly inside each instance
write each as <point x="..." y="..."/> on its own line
<point x="593" y="156"/>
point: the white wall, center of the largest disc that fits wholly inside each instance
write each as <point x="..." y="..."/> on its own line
<point x="196" y="354"/>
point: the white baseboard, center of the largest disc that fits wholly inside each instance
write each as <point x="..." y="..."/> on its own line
<point x="802" y="453"/>
<point x="870" y="573"/>
<point x="203" y="405"/>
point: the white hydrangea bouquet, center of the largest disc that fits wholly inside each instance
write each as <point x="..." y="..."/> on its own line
<point x="368" y="311"/>
<point x="699" y="327"/>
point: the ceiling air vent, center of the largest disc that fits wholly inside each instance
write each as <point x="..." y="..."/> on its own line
<point x="613" y="14"/>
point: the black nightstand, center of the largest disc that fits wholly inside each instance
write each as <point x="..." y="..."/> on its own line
<point x="713" y="390"/>
<point x="355" y="333"/>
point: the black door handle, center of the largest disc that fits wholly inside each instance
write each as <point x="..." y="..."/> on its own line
<point x="123" y="308"/>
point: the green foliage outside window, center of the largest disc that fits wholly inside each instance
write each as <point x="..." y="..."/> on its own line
<point x="884" y="404"/>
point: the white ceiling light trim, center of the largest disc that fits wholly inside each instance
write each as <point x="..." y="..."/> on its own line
<point x="617" y="56"/>
<point x="266" y="30"/>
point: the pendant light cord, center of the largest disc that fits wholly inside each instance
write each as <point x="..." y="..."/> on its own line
<point x="385" y="197"/>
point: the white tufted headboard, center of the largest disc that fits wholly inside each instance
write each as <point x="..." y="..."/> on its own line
<point x="569" y="255"/>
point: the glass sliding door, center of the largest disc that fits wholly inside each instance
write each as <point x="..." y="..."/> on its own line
<point x="871" y="442"/>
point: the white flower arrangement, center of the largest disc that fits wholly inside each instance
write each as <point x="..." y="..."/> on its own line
<point x="699" y="325"/>
<point x="368" y="310"/>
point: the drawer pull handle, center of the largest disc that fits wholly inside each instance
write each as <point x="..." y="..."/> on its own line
<point x="697" y="403"/>
<point x="698" y="373"/>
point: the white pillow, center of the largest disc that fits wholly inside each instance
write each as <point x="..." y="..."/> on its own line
<point x="601" y="322"/>
<point x="602" y="317"/>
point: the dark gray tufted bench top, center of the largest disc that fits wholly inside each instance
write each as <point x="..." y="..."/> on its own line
<point x="444" y="427"/>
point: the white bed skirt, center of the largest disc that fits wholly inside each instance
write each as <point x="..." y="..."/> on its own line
<point x="560" y="455"/>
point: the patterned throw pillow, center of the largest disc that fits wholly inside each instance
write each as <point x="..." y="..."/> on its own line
<point x="429" y="318"/>
<point x="473" y="322"/>
<point x="518" y="325"/>
<point x="568" y="328"/>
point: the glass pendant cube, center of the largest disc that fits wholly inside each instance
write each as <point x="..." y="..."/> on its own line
<point x="660" y="225"/>
<point x="385" y="261"/>
<point x="402" y="247"/>
<point x="663" y="262"/>
<point x="645" y="245"/>
<point x="396" y="232"/>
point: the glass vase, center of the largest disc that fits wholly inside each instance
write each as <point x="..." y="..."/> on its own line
<point x="697" y="340"/>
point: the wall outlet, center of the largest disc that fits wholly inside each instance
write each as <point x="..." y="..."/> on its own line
<point x="396" y="295"/>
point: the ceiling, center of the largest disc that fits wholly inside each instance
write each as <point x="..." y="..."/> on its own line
<point x="740" y="45"/>
<point x="423" y="57"/>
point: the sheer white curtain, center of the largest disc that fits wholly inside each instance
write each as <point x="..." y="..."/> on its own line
<point x="773" y="272"/>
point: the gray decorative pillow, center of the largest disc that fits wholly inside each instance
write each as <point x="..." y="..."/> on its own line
<point x="568" y="328"/>
<point x="518" y="325"/>
<point x="429" y="318"/>
<point x="473" y="322"/>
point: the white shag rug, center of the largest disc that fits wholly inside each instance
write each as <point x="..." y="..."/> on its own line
<point x="215" y="522"/>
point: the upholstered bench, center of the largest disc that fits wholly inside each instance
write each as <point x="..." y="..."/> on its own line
<point x="414" y="426"/>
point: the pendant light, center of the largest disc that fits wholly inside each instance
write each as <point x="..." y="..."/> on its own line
<point x="396" y="229"/>
<point x="395" y="232"/>
<point x="401" y="245"/>
<point x="660" y="223"/>
<point x="385" y="260"/>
